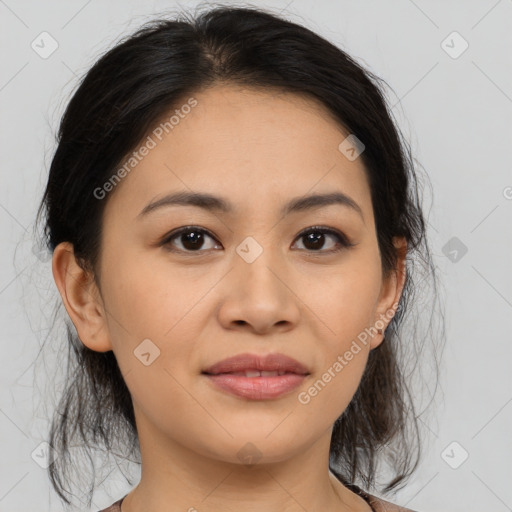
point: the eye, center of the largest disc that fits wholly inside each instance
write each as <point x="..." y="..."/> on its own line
<point x="316" y="236"/>
<point x="191" y="238"/>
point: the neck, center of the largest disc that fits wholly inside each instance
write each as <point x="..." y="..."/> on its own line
<point x="179" y="478"/>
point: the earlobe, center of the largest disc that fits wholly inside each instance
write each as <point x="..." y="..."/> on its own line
<point x="391" y="291"/>
<point x="81" y="298"/>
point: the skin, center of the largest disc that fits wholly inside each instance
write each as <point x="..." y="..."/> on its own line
<point x="258" y="150"/>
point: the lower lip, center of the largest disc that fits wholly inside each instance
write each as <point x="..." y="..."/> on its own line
<point x="257" y="388"/>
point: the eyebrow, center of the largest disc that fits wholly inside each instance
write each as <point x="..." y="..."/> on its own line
<point x="214" y="203"/>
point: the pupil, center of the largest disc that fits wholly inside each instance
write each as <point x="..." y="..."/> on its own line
<point x="315" y="238"/>
<point x="188" y="238"/>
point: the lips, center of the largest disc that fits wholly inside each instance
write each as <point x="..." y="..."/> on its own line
<point x="254" y="365"/>
<point x="257" y="377"/>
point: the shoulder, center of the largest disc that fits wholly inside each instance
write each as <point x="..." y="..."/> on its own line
<point x="381" y="505"/>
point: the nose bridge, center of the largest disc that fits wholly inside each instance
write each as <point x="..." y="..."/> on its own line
<point x="258" y="261"/>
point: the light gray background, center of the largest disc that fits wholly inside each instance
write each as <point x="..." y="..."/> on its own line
<point x="456" y="113"/>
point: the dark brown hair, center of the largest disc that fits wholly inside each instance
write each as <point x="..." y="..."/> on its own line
<point x="119" y="100"/>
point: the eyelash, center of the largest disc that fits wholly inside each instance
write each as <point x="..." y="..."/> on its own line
<point x="343" y="242"/>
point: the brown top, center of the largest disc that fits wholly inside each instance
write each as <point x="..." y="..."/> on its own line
<point x="376" y="504"/>
<point x="115" y="507"/>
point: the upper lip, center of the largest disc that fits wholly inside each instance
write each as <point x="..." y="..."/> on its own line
<point x="266" y="362"/>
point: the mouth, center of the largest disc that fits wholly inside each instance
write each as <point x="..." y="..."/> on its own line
<point x="255" y="377"/>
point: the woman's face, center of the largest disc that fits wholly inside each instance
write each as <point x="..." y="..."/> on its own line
<point x="252" y="283"/>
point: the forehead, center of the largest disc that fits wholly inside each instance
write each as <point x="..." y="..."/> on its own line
<point x="253" y="145"/>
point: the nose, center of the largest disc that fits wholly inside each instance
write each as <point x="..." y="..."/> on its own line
<point x="259" y="296"/>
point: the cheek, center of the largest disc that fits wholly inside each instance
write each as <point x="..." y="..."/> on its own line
<point x="346" y="301"/>
<point x="149" y="296"/>
<point x="148" y="302"/>
<point x="346" y="308"/>
<point x="332" y="389"/>
<point x="344" y="353"/>
<point x="154" y="331"/>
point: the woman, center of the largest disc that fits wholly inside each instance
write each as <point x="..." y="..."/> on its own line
<point x="232" y="214"/>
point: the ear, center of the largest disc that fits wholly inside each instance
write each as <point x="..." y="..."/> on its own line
<point x="391" y="291"/>
<point x="81" y="298"/>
